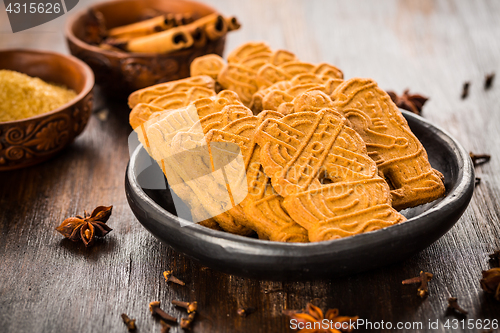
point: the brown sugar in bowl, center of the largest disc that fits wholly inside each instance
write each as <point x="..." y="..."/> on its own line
<point x="33" y="140"/>
<point x="121" y="73"/>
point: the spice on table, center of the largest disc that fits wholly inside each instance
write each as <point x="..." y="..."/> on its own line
<point x="477" y="181"/>
<point x="313" y="315"/>
<point x="154" y="307"/>
<point x="465" y="90"/>
<point x="87" y="227"/>
<point x="186" y="323"/>
<point x="165" y="328"/>
<point x="407" y="101"/>
<point x="478" y="159"/>
<point x="453" y="305"/>
<point x="273" y="290"/>
<point x="488" y="81"/>
<point x="495" y="258"/>
<point x="171" y="278"/>
<point x="130" y="323"/>
<point x="190" y="307"/>
<point x="243" y="312"/>
<point x="423" y="279"/>
<point x="491" y="282"/>
<point x="23" y="96"/>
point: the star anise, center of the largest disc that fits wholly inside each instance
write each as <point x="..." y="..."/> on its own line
<point x="313" y="321"/>
<point x="86" y="227"/>
<point x="407" y="101"/>
<point x="491" y="282"/>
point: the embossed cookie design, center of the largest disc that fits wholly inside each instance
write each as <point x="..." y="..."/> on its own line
<point x="400" y="157"/>
<point x="287" y="149"/>
<point x="210" y="64"/>
<point x="158" y="134"/>
<point x="148" y="94"/>
<point x="321" y="167"/>
<point x="262" y="206"/>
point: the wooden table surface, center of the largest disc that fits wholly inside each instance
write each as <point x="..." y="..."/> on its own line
<point x="49" y="284"/>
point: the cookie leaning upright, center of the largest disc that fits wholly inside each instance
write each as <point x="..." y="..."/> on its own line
<point x="262" y="206"/>
<point x="400" y="157"/>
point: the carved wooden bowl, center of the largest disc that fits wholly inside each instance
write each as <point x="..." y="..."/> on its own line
<point x="121" y="73"/>
<point x="33" y="140"/>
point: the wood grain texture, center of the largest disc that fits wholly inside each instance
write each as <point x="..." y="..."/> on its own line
<point x="48" y="284"/>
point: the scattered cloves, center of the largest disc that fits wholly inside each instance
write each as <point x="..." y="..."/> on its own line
<point x="491" y="282"/>
<point x="187" y="322"/>
<point x="165" y="328"/>
<point x="243" y="312"/>
<point x="479" y="159"/>
<point x="423" y="279"/>
<point x="130" y="323"/>
<point x="495" y="258"/>
<point x="477" y="181"/>
<point x="465" y="90"/>
<point x="154" y="307"/>
<point x="171" y="278"/>
<point x="488" y="81"/>
<point x="190" y="307"/>
<point x="453" y="305"/>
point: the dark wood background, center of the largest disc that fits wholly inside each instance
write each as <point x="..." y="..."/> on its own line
<point x="49" y="284"/>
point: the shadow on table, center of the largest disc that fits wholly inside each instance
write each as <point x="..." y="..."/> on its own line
<point x="101" y="247"/>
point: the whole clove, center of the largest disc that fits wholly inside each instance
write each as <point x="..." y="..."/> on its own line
<point x="130" y="323"/>
<point x="186" y="323"/>
<point x="477" y="181"/>
<point x="495" y="258"/>
<point x="453" y="306"/>
<point x="171" y="278"/>
<point x="243" y="312"/>
<point x="165" y="328"/>
<point x="190" y="307"/>
<point x="478" y="159"/>
<point x="154" y="307"/>
<point x="273" y="290"/>
<point x="488" y="81"/>
<point x="465" y="90"/>
<point x="423" y="279"/>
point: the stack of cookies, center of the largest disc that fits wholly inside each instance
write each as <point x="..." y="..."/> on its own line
<point x="267" y="144"/>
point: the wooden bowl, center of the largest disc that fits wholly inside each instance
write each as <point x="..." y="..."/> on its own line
<point x="33" y="140"/>
<point x="121" y="73"/>
<point x="154" y="208"/>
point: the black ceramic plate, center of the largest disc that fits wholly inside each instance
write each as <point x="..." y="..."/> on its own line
<point x="284" y="261"/>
